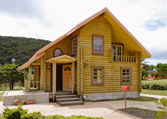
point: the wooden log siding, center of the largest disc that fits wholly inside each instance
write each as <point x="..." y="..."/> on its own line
<point x="112" y="69"/>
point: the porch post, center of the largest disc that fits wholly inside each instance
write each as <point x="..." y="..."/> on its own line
<point x="25" y="79"/>
<point x="73" y="76"/>
<point x="29" y="78"/>
<point x="54" y="78"/>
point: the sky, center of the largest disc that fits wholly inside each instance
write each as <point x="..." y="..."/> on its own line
<point x="49" y="19"/>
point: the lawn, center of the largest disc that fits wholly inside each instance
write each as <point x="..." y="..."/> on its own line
<point x="162" y="82"/>
<point x="7" y="88"/>
<point x="154" y="92"/>
<point x="1" y="96"/>
<point x="141" y="113"/>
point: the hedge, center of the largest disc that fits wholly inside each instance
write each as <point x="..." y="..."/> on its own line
<point x="20" y="113"/>
<point x="154" y="87"/>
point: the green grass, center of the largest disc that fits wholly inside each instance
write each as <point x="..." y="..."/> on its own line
<point x="1" y="116"/>
<point x="1" y="96"/>
<point x="162" y="82"/>
<point x="154" y="92"/>
<point x="141" y="113"/>
<point x="7" y="88"/>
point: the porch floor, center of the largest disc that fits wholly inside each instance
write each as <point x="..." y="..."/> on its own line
<point x="38" y="96"/>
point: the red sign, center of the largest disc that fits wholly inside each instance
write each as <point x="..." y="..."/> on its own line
<point x="125" y="88"/>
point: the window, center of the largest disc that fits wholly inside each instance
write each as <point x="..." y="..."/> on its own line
<point x="74" y="46"/>
<point x="126" y="75"/>
<point x="57" y="52"/>
<point x="117" y="52"/>
<point x="98" y="75"/>
<point x="117" y="49"/>
<point x="98" y="44"/>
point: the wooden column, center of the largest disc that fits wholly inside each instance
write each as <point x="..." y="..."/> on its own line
<point x="25" y="79"/>
<point x="42" y="74"/>
<point x="73" y="76"/>
<point x="44" y="68"/>
<point x="54" y="78"/>
<point x="140" y="71"/>
<point x="29" y="78"/>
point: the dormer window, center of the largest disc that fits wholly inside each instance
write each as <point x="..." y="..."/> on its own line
<point x="57" y="52"/>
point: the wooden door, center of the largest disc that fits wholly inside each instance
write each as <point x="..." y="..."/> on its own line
<point x="67" y="77"/>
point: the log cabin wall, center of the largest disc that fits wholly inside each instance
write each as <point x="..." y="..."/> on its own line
<point x="112" y="70"/>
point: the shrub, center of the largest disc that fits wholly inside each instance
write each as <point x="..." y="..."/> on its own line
<point x="20" y="113"/>
<point x="14" y="113"/>
<point x="146" y="86"/>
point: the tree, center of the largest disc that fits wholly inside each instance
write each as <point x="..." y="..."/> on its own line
<point x="10" y="75"/>
<point x="162" y="69"/>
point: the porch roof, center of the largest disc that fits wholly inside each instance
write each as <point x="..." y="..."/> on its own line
<point x="62" y="59"/>
<point x="31" y="60"/>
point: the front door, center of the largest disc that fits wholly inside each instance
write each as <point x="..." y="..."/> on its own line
<point x="67" y="77"/>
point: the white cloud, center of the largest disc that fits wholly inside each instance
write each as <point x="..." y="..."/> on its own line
<point x="58" y="17"/>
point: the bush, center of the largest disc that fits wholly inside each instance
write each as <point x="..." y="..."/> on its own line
<point x="14" y="113"/>
<point x="146" y="86"/>
<point x="20" y="113"/>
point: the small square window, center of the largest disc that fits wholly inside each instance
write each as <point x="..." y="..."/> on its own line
<point x="126" y="73"/>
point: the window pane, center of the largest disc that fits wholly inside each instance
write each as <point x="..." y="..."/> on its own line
<point x="100" y="41"/>
<point x="95" y="41"/>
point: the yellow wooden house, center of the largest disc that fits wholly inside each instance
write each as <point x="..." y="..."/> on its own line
<point x="92" y="60"/>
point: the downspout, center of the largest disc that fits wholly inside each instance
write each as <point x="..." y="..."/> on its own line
<point x="81" y="82"/>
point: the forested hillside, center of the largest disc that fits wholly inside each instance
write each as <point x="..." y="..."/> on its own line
<point x="20" y="48"/>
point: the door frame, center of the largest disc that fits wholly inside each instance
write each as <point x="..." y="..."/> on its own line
<point x="53" y="73"/>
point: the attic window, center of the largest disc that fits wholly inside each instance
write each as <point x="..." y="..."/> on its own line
<point x="57" y="52"/>
<point x="98" y="44"/>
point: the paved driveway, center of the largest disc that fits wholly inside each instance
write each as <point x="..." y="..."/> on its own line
<point x="94" y="109"/>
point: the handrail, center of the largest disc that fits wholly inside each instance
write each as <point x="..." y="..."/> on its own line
<point x="121" y="58"/>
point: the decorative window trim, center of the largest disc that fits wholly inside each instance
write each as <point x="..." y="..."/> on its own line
<point x="98" y="53"/>
<point x="92" y="74"/>
<point x="74" y="38"/>
<point x="55" y="50"/>
<point x="130" y="76"/>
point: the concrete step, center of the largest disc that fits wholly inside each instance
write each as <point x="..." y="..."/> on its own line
<point x="64" y="93"/>
<point x="65" y="96"/>
<point x="67" y="99"/>
<point x="71" y="103"/>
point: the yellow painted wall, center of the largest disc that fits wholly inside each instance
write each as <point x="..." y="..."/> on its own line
<point x="101" y="26"/>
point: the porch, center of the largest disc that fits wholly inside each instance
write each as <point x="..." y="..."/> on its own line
<point x="38" y="96"/>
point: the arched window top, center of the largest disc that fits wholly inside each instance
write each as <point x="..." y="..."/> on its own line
<point x="57" y="52"/>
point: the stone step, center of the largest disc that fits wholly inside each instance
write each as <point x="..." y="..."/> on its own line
<point x="66" y="96"/>
<point x="67" y="99"/>
<point x="71" y="103"/>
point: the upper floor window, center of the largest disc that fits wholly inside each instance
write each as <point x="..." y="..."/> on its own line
<point x="57" y="52"/>
<point x="98" y="44"/>
<point x="74" y="46"/>
<point x="97" y="75"/>
<point x="126" y="75"/>
<point x="117" y="49"/>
